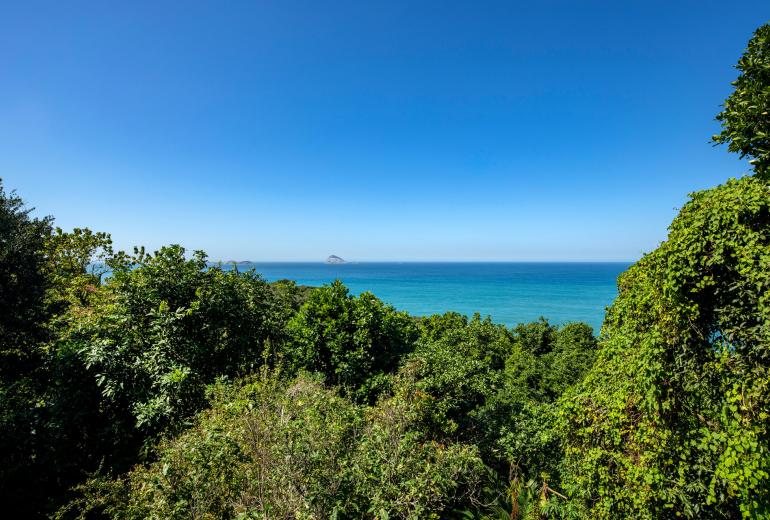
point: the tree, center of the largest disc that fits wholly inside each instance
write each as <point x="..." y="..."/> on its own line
<point x="495" y="388"/>
<point x="77" y="263"/>
<point x="166" y="327"/>
<point x="573" y="355"/>
<point x="746" y="115"/>
<point x="23" y="286"/>
<point x="23" y="317"/>
<point x="673" y="418"/>
<point x="355" y="342"/>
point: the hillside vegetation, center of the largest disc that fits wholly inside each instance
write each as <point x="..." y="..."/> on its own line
<point x="158" y="386"/>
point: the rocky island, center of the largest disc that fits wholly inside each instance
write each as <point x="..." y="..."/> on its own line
<point x="334" y="259"/>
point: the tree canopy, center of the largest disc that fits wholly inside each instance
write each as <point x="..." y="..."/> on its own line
<point x="674" y="415"/>
<point x="745" y="117"/>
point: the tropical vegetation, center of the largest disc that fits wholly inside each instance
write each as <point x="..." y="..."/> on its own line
<point x="160" y="385"/>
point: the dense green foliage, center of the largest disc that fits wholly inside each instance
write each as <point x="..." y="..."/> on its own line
<point x="354" y="341"/>
<point x="745" y="119"/>
<point x="23" y="313"/>
<point x="23" y="285"/>
<point x="674" y="420"/>
<point x="675" y="415"/>
<point x="166" y="327"/>
<point x="160" y="386"/>
<point x="289" y="446"/>
<point x="165" y="387"/>
<point x="293" y="450"/>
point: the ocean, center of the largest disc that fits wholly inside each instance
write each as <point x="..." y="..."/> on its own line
<point x="510" y="293"/>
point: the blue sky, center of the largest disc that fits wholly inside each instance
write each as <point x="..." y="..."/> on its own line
<point x="373" y="130"/>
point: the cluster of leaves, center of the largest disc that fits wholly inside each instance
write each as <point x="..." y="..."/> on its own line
<point x="104" y="353"/>
<point x="745" y="117"/>
<point x="166" y="327"/>
<point x="355" y="342"/>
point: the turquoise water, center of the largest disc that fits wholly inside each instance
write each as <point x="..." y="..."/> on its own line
<point x="510" y="293"/>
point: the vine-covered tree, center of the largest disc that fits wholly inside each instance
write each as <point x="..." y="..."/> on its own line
<point x="674" y="419"/>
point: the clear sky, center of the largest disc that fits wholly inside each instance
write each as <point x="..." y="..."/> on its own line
<point x="372" y="130"/>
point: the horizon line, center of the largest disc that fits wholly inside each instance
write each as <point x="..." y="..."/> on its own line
<point x="443" y="261"/>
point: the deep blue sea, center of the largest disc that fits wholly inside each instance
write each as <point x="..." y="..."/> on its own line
<point x="510" y="293"/>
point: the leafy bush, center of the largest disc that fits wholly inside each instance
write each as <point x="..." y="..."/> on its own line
<point x="400" y="470"/>
<point x="291" y="450"/>
<point x="166" y="327"/>
<point x="495" y="388"/>
<point x="354" y="342"/>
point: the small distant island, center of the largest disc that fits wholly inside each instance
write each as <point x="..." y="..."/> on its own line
<point x="334" y="259"/>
